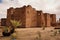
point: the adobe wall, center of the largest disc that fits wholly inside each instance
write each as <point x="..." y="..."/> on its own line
<point x="16" y="14"/>
<point x="40" y="19"/>
<point x="30" y="17"/>
<point x="47" y="19"/>
<point x="9" y="13"/>
<point x="53" y="19"/>
<point x="3" y="22"/>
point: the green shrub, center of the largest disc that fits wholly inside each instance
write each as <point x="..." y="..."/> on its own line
<point x="39" y="36"/>
<point x="55" y="33"/>
<point x="43" y="28"/>
<point x="5" y="29"/>
<point x="15" y="23"/>
<point x="51" y="30"/>
<point x="59" y="31"/>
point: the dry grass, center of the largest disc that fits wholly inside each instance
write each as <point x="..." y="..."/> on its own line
<point x="32" y="34"/>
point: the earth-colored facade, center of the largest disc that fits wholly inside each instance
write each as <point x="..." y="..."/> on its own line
<point x="47" y="19"/>
<point x="53" y="19"/>
<point x="40" y="19"/>
<point x="29" y="17"/>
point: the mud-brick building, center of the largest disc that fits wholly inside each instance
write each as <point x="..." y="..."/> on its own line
<point x="26" y="14"/>
<point x="53" y="19"/>
<point x="40" y="19"/>
<point x="16" y="14"/>
<point x="0" y="22"/>
<point x="3" y="22"/>
<point x="29" y="17"/>
<point x="47" y="20"/>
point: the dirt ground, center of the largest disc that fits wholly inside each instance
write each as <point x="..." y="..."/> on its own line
<point x="35" y="34"/>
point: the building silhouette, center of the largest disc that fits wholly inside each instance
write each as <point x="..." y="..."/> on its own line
<point x="29" y="17"/>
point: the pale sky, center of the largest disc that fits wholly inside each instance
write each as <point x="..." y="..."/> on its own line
<point x="49" y="6"/>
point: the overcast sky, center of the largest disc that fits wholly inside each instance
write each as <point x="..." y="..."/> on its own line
<point x="50" y="6"/>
